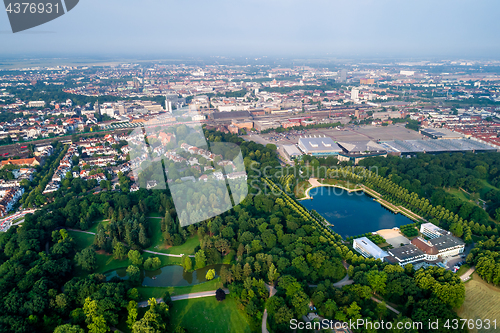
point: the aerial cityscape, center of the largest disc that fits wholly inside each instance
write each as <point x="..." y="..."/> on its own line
<point x="260" y="179"/>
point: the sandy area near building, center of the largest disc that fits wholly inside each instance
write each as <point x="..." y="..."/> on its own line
<point x="393" y="237"/>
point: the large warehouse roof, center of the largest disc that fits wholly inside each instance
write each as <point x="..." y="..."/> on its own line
<point x="440" y="133"/>
<point x="436" y="146"/>
<point x="362" y="147"/>
<point x="318" y="145"/>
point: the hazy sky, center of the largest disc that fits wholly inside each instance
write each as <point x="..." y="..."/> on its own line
<point x="365" y="28"/>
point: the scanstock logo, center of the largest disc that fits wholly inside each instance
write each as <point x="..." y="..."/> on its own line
<point x="27" y="14"/>
<point x="205" y="178"/>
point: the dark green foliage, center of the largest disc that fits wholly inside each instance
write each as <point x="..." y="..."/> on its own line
<point x="409" y="230"/>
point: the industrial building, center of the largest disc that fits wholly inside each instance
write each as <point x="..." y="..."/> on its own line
<point x="243" y="124"/>
<point x="292" y="152"/>
<point x="440" y="133"/>
<point x="368" y="249"/>
<point x="320" y="146"/>
<point x="411" y="147"/>
<point x="265" y="125"/>
<point x="226" y="116"/>
<point x="355" y="151"/>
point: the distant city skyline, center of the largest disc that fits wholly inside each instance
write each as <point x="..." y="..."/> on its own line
<point x="321" y="28"/>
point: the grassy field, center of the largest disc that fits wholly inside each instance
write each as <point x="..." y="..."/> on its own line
<point x="165" y="261"/>
<point x="207" y="315"/>
<point x="481" y="301"/>
<point x="338" y="182"/>
<point x="157" y="240"/>
<point x="186" y="248"/>
<point x="106" y="262"/>
<point x="156" y="237"/>
<point x="301" y="188"/>
<point x="486" y="187"/>
<point x="96" y="223"/>
<point x="81" y="239"/>
<point x="157" y="292"/>
<point x="153" y="214"/>
<point x="459" y="194"/>
<point x="464" y="268"/>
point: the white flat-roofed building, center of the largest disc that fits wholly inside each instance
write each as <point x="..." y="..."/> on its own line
<point x="36" y="104"/>
<point x="368" y="249"/>
<point x="321" y="146"/>
<point x="432" y="231"/>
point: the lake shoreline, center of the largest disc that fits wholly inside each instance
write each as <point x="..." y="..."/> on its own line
<point x="367" y="191"/>
<point x="307" y="197"/>
<point x="354" y="211"/>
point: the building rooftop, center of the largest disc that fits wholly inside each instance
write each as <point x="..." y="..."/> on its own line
<point x="292" y="150"/>
<point x="425" y="246"/>
<point x="434" y="228"/>
<point x="406" y="252"/>
<point x="231" y="115"/>
<point x="446" y="242"/>
<point x="370" y="247"/>
<point x="436" y="146"/>
<point x="440" y="133"/>
<point x="320" y="144"/>
<point x="362" y="147"/>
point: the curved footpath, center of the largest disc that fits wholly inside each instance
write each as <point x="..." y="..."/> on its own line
<point x="152" y="252"/>
<point x="315" y="184"/>
<point x="201" y="294"/>
<point x="272" y="291"/>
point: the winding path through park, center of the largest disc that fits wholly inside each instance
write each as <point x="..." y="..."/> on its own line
<point x="152" y="252"/>
<point x="386" y="305"/>
<point x="144" y="304"/>
<point x="272" y="291"/>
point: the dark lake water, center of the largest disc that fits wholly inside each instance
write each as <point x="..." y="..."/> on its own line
<point x="352" y="213"/>
<point x="169" y="276"/>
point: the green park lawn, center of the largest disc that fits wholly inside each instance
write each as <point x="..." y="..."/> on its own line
<point x="106" y="262"/>
<point x="464" y="268"/>
<point x="96" y="223"/>
<point x="157" y="292"/>
<point x="486" y="187"/>
<point x="459" y="194"/>
<point x="81" y="239"/>
<point x="186" y="248"/>
<point x="207" y="315"/>
<point x="301" y="188"/>
<point x="157" y="240"/>
<point x="482" y="301"/>
<point x="153" y="214"/>
<point x="338" y="182"/>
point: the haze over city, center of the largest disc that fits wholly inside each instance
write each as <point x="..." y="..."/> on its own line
<point x="291" y="28"/>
